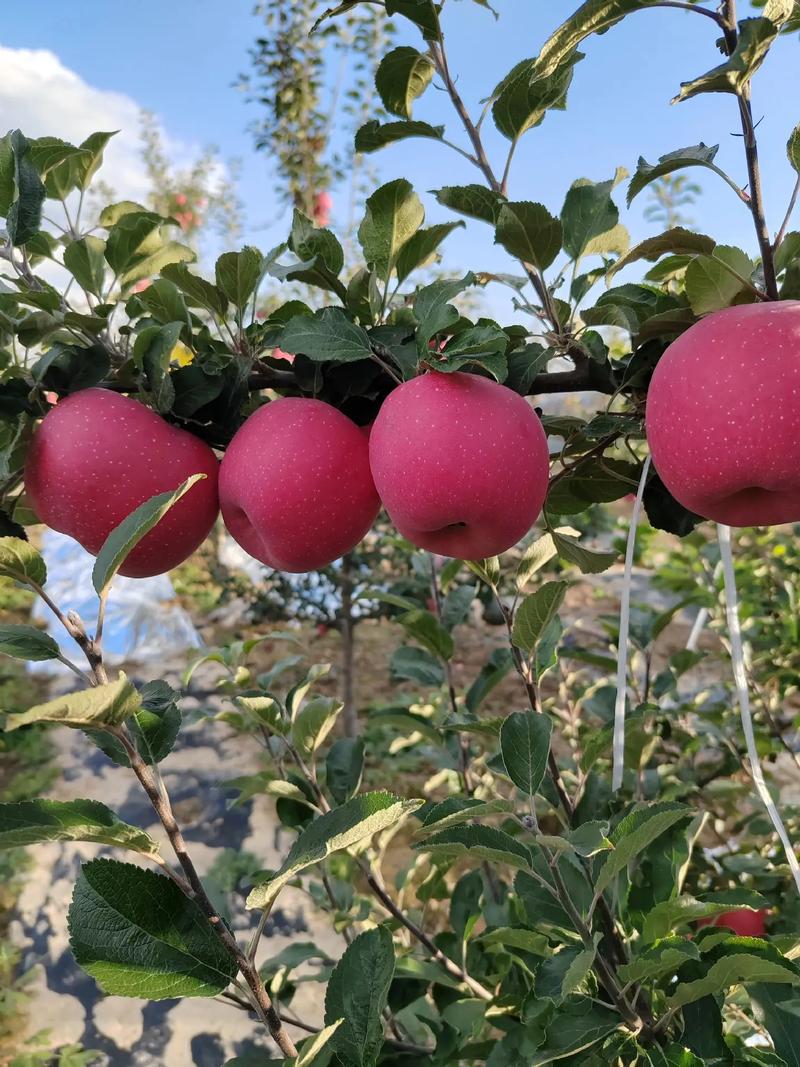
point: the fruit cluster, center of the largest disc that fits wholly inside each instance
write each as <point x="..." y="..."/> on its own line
<point x="459" y="462"/>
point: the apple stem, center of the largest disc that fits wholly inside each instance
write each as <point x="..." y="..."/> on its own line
<point x="618" y="750"/>
<point x="743" y="697"/>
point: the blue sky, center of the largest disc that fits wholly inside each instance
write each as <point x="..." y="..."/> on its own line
<point x="181" y="58"/>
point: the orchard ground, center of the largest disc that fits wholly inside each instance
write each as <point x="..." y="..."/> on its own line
<point x="137" y="1033"/>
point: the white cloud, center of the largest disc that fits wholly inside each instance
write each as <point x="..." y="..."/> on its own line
<point x="40" y="96"/>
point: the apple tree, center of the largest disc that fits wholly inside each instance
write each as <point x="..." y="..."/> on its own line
<point x="560" y="896"/>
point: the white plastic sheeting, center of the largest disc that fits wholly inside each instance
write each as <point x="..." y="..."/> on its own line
<point x="144" y="622"/>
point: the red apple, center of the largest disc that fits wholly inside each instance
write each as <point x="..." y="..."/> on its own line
<point x="295" y="485"/>
<point x="97" y="455"/>
<point x="742" y="921"/>
<point x="460" y="463"/>
<point x="323" y="202"/>
<point x="722" y="415"/>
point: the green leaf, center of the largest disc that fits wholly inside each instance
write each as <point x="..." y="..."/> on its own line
<point x="457" y="810"/>
<point x="478" y="843"/>
<point x="402" y="76"/>
<point x="76" y="170"/>
<point x="793" y="148"/>
<point x="6" y="175"/>
<point x="49" y="152"/>
<point x="112" y="213"/>
<point x="588" y="211"/>
<point x="634" y="833"/>
<point x="138" y="935"/>
<point x="328" y="334"/>
<point x="516" y="937"/>
<point x="125" y="537"/>
<point x="167" y="253"/>
<point x="132" y="238"/>
<point x="585" y="560"/>
<point x="714" y="282"/>
<point x="488" y="570"/>
<point x="104" y="705"/>
<point x="308" y="241"/>
<point x="579" y="969"/>
<point x="374" y="135"/>
<point x="320" y="1043"/>
<point x="593" y="481"/>
<point x="334" y="831"/>
<point x="491" y="674"/>
<point x="152" y="351"/>
<point x="85" y="260"/>
<point x="424" y="627"/>
<point x="593" y="16"/>
<point x="772" y="1005"/>
<point x="589" y="838"/>
<point x="24" y="214"/>
<point x="165" y="302"/>
<point x="483" y="345"/>
<point x="680" y="911"/>
<point x="529" y="232"/>
<point x="154" y="727"/>
<point x="456" y="605"/>
<point x="200" y="292"/>
<point x="664" y="957"/>
<point x="575" y="1029"/>
<point x="537" y="553"/>
<point x="27" y="642"/>
<point x="344" y="766"/>
<point x="20" y="560"/>
<point x="357" y="993"/>
<point x="393" y="215"/>
<point x="754" y="41"/>
<point x="421" y="12"/>
<point x="476" y="201"/>
<point x="407" y="722"/>
<point x="238" y="275"/>
<point x="313" y="722"/>
<point x="416" y="665"/>
<point x="700" y="155"/>
<point x="433" y="312"/>
<point x="525" y="747"/>
<point x="735" y="969"/>
<point x="522" y="99"/>
<point x="535" y="613"/>
<point x="33" y="822"/>
<point x="70" y="368"/>
<point x="675" y="240"/>
<point x="421" y="248"/>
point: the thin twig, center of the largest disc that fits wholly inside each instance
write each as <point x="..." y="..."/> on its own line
<point x="787" y="217"/>
<point x="163" y="808"/>
<point x="690" y="7"/>
<point x="728" y="22"/>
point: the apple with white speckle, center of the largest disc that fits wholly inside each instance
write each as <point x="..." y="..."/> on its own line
<point x="460" y="462"/>
<point x="723" y="415"/>
<point x="295" y="485"/>
<point x="98" y="455"/>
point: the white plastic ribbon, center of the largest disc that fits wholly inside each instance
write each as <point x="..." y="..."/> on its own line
<point x="618" y="750"/>
<point x="743" y="696"/>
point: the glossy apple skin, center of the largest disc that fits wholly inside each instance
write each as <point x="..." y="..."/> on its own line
<point x="742" y="921"/>
<point x="97" y="456"/>
<point x="723" y="411"/>
<point x="460" y="462"/>
<point x="295" y="485"/>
